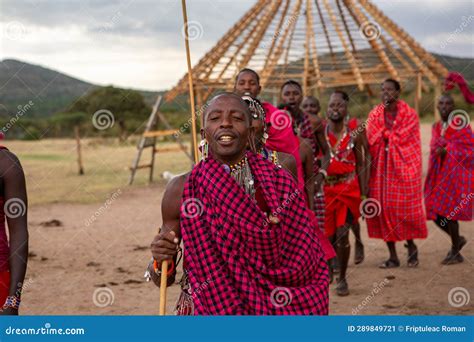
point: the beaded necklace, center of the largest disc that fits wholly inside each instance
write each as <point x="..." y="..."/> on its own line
<point x="243" y="175"/>
<point x="334" y="151"/>
<point x="444" y="127"/>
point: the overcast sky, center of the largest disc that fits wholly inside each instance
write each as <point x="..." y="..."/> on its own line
<point x="138" y="43"/>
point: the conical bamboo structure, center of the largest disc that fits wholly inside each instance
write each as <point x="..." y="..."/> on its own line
<point x="321" y="43"/>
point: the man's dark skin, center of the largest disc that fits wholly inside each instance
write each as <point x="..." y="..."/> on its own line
<point x="292" y="96"/>
<point x="226" y="115"/>
<point x="247" y="83"/>
<point x="337" y="112"/>
<point x="390" y="95"/>
<point x="311" y="106"/>
<point x="12" y="185"/>
<point x="450" y="227"/>
<point x="445" y="107"/>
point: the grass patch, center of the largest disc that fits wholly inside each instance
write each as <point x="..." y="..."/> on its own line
<point x="52" y="175"/>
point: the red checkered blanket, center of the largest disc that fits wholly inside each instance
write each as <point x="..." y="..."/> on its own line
<point x="237" y="260"/>
<point x="395" y="177"/>
<point x="449" y="184"/>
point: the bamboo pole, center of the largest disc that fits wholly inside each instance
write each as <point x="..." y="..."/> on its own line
<point x="190" y="81"/>
<point x="164" y="264"/>
<point x="164" y="281"/>
<point x="418" y="92"/>
<point x="437" y="94"/>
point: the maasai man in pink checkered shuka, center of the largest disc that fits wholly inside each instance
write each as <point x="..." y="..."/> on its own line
<point x="449" y="186"/>
<point x="250" y="248"/>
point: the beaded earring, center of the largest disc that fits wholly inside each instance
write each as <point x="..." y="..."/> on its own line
<point x="204" y="148"/>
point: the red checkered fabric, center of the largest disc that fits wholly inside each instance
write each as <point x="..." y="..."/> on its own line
<point x="395" y="176"/>
<point x="449" y="184"/>
<point x="306" y="131"/>
<point x="320" y="208"/>
<point x="238" y="262"/>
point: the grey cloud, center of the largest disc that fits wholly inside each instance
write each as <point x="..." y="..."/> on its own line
<point x="161" y="20"/>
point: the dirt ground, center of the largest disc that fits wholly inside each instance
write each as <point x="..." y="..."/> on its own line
<point x="89" y="259"/>
<point x="72" y="261"/>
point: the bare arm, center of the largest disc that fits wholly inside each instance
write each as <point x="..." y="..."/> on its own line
<point x="16" y="211"/>
<point x="307" y="159"/>
<point x="363" y="162"/>
<point x="326" y="159"/>
<point x="165" y="244"/>
<point x="288" y="162"/>
<point x="323" y="145"/>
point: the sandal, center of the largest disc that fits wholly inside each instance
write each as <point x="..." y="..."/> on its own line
<point x="413" y="257"/>
<point x="390" y="263"/>
<point x="342" y="288"/>
<point x="452" y="258"/>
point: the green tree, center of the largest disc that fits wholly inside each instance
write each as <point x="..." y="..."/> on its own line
<point x="108" y="107"/>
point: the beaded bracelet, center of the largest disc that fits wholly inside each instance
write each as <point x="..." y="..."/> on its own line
<point x="12" y="302"/>
<point x="158" y="271"/>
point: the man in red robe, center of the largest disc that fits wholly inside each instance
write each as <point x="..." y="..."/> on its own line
<point x="346" y="181"/>
<point x="449" y="185"/>
<point x="393" y="133"/>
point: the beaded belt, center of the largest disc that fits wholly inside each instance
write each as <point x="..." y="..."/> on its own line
<point x="336" y="179"/>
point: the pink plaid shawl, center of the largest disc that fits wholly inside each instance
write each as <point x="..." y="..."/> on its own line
<point x="238" y="262"/>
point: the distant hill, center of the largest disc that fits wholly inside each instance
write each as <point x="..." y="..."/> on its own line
<point x="462" y="65"/>
<point x="49" y="90"/>
<point x="52" y="91"/>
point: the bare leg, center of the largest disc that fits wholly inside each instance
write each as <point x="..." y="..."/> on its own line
<point x="451" y="228"/>
<point x="392" y="250"/>
<point x="393" y="260"/>
<point x="343" y="252"/>
<point x="412" y="254"/>
<point x="359" y="246"/>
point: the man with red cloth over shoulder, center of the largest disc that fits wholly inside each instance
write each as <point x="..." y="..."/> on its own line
<point x="394" y="210"/>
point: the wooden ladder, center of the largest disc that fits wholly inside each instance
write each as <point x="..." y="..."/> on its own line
<point x="148" y="139"/>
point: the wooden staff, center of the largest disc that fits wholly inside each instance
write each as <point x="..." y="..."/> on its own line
<point x="164" y="265"/>
<point x="190" y="81"/>
<point x="164" y="280"/>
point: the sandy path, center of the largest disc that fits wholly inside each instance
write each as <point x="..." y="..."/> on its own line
<point x="74" y="260"/>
